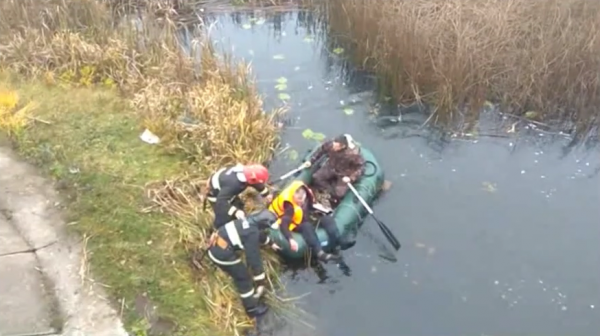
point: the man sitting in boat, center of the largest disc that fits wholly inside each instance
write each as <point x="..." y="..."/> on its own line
<point x="345" y="164"/>
<point x="292" y="207"/>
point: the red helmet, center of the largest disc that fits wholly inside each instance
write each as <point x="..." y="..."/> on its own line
<point x="256" y="173"/>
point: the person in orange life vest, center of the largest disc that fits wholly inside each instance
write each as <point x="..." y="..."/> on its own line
<point x="292" y="207"/>
<point x="225" y="186"/>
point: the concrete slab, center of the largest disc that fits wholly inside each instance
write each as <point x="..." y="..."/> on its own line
<point x="10" y="240"/>
<point x="36" y="213"/>
<point x="25" y="307"/>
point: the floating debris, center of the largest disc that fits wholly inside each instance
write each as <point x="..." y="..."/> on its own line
<point x="309" y="134"/>
<point x="348" y="111"/>
<point x="292" y="155"/>
<point x="246" y="26"/>
<point x="281" y="84"/>
<point x="278" y="57"/>
<point x="431" y="251"/>
<point x="489" y="187"/>
<point x="531" y="114"/>
<point x="260" y="22"/>
<point x="284" y="96"/>
<point x="308" y="39"/>
<point x="338" y="51"/>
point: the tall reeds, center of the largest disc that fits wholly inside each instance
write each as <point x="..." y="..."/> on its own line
<point x="526" y="55"/>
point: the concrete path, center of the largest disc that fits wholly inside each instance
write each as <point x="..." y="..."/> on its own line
<point x="44" y="286"/>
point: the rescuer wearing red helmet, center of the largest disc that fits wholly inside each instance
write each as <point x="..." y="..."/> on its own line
<point x="225" y="186"/>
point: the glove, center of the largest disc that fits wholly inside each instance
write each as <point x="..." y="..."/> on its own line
<point x="346" y="179"/>
<point x="275" y="247"/>
<point x="269" y="198"/>
<point x="306" y="164"/>
<point x="240" y="214"/>
<point x="260" y="289"/>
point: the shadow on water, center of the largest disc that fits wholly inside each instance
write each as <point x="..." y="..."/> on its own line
<point x="499" y="229"/>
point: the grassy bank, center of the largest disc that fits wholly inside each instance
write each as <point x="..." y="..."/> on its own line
<point x="78" y="87"/>
<point x="539" y="56"/>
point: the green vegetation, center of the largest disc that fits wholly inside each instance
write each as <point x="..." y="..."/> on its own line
<point x="532" y="57"/>
<point x="78" y="86"/>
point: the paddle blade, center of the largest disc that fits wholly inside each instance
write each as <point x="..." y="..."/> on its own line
<point x="388" y="234"/>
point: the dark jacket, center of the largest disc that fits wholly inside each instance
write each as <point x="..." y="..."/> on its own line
<point x="346" y="162"/>
<point x="224" y="186"/>
<point x="245" y="235"/>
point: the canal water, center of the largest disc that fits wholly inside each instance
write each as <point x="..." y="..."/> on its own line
<point x="500" y="235"/>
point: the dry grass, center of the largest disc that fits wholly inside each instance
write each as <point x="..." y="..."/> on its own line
<point x="527" y="55"/>
<point x="124" y="77"/>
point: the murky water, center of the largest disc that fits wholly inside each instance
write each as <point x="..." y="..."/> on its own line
<point x="500" y="237"/>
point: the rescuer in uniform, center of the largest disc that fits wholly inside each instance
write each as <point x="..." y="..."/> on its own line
<point x="225" y="186"/>
<point x="248" y="235"/>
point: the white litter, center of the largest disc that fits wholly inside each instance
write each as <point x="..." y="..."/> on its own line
<point x="149" y="137"/>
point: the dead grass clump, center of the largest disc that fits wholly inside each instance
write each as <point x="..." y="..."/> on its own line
<point x="204" y="109"/>
<point x="540" y="55"/>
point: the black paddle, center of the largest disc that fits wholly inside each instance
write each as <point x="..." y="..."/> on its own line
<point x="386" y="231"/>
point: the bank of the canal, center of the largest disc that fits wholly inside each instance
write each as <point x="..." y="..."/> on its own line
<point x="499" y="235"/>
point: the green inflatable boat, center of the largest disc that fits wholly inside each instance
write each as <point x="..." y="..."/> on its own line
<point x="349" y="214"/>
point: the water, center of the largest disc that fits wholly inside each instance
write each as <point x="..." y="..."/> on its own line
<point x="499" y="236"/>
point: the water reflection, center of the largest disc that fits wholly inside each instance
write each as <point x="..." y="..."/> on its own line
<point x="499" y="229"/>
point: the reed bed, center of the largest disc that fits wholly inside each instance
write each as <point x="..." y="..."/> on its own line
<point x="204" y="109"/>
<point x="539" y="58"/>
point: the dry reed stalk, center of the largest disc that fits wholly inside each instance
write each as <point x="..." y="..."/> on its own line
<point x="527" y="55"/>
<point x="205" y="109"/>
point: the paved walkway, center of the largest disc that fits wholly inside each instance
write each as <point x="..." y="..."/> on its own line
<point x="41" y="289"/>
<point x="21" y="284"/>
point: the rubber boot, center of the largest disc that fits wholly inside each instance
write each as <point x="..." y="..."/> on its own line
<point x="259" y="310"/>
<point x="346" y="243"/>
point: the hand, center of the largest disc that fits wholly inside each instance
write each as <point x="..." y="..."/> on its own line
<point x="306" y="164"/>
<point x="293" y="245"/>
<point x="240" y="214"/>
<point x="326" y="257"/>
<point x="275" y="247"/>
<point x="260" y="290"/>
<point x="269" y="198"/>
<point x="346" y="179"/>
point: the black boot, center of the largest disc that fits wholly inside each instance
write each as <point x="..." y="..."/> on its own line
<point x="345" y="243"/>
<point x="259" y="310"/>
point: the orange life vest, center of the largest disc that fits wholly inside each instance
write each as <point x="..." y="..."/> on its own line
<point x="287" y="195"/>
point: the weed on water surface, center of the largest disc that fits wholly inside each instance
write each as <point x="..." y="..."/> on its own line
<point x="79" y="85"/>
